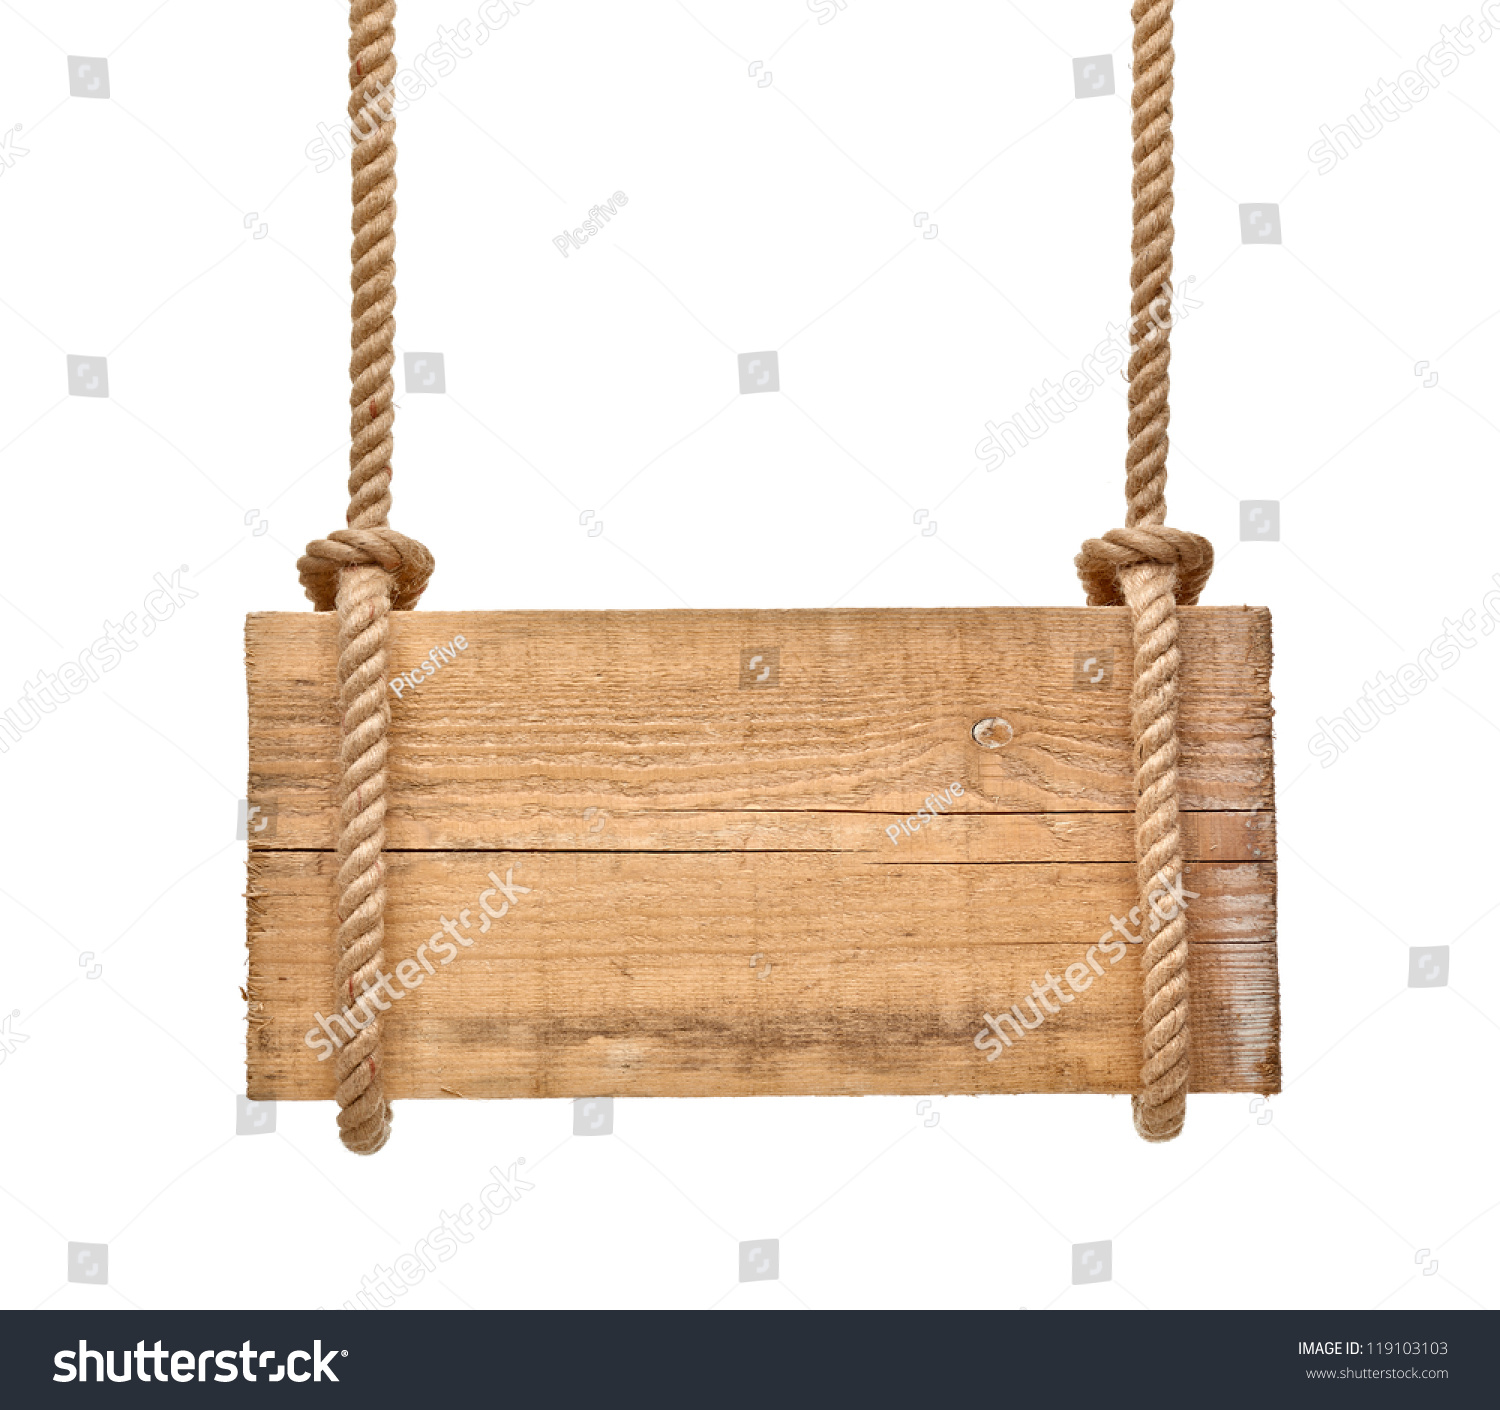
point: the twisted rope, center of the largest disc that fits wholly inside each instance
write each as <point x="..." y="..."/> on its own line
<point x="1150" y="568"/>
<point x="365" y="572"/>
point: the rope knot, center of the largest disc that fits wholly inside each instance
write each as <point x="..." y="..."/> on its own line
<point x="407" y="561"/>
<point x="1101" y="561"/>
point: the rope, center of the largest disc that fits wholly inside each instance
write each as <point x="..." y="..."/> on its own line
<point x="365" y="572"/>
<point x="1150" y="568"/>
<point x="368" y="570"/>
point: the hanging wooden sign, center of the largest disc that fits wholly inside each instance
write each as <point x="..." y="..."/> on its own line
<point x="762" y="852"/>
<point x="734" y="853"/>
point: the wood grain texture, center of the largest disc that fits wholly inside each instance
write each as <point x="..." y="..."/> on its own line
<point x="644" y="715"/>
<point x="675" y="818"/>
<point x="725" y="974"/>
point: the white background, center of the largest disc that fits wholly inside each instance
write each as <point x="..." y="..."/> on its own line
<point x="787" y="218"/>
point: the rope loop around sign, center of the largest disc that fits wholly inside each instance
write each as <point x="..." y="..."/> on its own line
<point x="1150" y="569"/>
<point x="365" y="572"/>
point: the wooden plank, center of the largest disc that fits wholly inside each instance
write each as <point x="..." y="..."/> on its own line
<point x="732" y="890"/>
<point x="645" y="716"/>
<point x="739" y="974"/>
<point x="953" y="837"/>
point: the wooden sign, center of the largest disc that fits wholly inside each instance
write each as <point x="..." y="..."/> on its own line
<point x="753" y="853"/>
